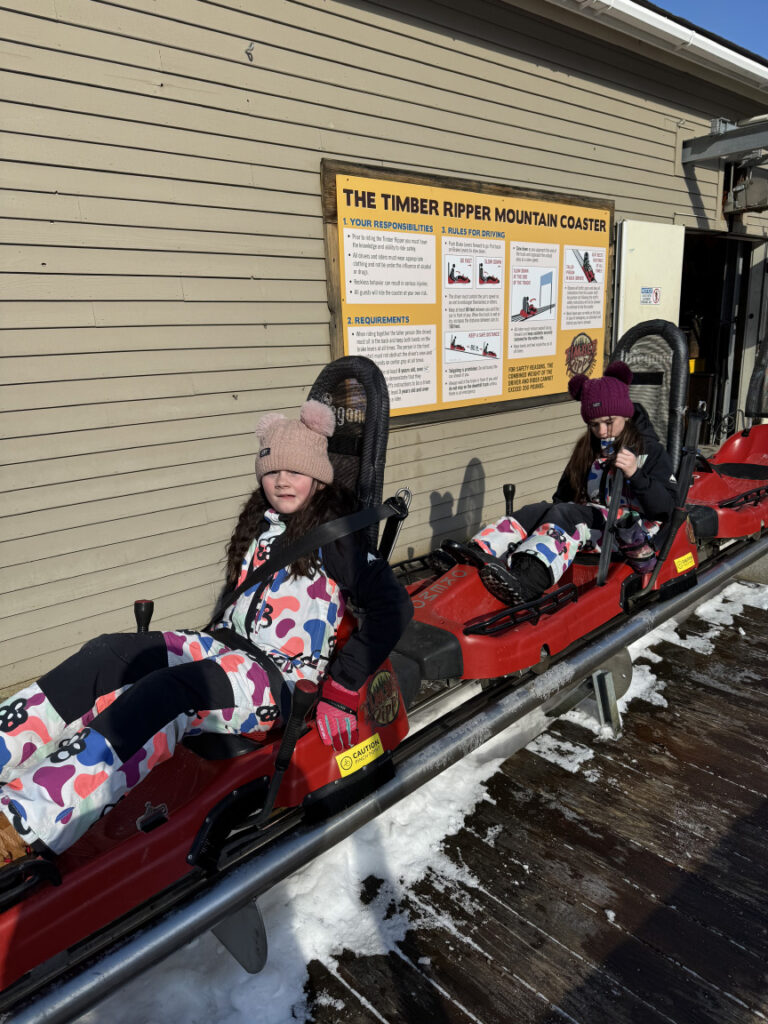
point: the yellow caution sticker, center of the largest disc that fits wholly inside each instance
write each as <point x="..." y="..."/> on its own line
<point x="686" y="562"/>
<point x="357" y="757"/>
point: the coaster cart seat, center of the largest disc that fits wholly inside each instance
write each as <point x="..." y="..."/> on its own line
<point x="461" y="632"/>
<point x="729" y="489"/>
<point x="202" y="811"/>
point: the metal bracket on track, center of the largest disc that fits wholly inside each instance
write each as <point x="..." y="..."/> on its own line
<point x="244" y="936"/>
<point x="605" y="697"/>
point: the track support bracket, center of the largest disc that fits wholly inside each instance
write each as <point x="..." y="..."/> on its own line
<point x="605" y="697"/>
<point x="244" y="936"/>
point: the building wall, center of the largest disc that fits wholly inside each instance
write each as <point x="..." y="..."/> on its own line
<point x="163" y="263"/>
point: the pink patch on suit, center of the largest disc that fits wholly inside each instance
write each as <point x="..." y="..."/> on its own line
<point x="293" y="647"/>
<point x="196" y="650"/>
<point x="102" y="703"/>
<point x="85" y="784"/>
<point x="160" y="753"/>
<point x="281" y="604"/>
<point x="231" y="662"/>
<point x="36" y="725"/>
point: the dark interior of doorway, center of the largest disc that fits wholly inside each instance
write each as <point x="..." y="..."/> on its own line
<point x="712" y="314"/>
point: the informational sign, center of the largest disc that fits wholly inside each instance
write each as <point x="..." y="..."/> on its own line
<point x="466" y="297"/>
<point x="650" y="296"/>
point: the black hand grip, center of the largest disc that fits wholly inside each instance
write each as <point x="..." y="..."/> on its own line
<point x="509" y="498"/>
<point x="606" y="547"/>
<point x="304" y="695"/>
<point x="143" y="611"/>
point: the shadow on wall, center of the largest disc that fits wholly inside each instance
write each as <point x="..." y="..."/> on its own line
<point x="466" y="520"/>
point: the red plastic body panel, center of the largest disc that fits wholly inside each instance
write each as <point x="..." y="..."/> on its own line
<point x="714" y="488"/>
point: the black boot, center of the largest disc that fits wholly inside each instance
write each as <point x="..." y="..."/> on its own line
<point x="526" y="579"/>
<point x="468" y="554"/>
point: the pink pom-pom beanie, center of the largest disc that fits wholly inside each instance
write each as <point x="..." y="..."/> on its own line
<point x="605" y="396"/>
<point x="300" y="446"/>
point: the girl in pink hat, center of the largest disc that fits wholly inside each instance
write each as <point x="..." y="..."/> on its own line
<point x="72" y="744"/>
<point x="533" y="549"/>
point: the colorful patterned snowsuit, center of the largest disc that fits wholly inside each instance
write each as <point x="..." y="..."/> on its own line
<point x="72" y="744"/>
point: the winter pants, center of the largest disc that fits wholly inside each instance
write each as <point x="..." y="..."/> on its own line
<point x="72" y="744"/>
<point x="553" y="533"/>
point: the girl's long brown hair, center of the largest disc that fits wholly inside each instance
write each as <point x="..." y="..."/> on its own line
<point x="587" y="448"/>
<point x="326" y="503"/>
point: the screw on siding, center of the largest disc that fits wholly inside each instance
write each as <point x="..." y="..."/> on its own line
<point x="249" y="53"/>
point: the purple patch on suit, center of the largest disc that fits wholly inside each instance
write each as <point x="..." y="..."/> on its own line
<point x="53" y="780"/>
<point x="174" y="643"/>
<point x="27" y="752"/>
<point x="283" y="626"/>
<point x="130" y="768"/>
<point x="256" y="674"/>
<point x="38" y="698"/>
<point x="318" y="590"/>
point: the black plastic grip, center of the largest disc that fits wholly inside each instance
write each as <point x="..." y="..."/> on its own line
<point x="143" y="611"/>
<point x="509" y="498"/>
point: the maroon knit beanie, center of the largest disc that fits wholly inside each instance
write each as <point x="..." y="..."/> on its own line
<point x="605" y="396"/>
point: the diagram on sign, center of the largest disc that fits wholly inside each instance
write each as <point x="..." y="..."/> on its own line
<point x="586" y="267"/>
<point x="489" y="272"/>
<point x="583" y="291"/>
<point x="459" y="272"/>
<point x="464" y="346"/>
<point x="540" y="301"/>
<point x="473" y="318"/>
<point x="532" y="299"/>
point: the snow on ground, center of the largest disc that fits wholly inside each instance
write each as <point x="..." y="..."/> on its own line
<point x="318" y="911"/>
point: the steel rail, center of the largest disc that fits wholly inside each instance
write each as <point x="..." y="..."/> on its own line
<point x="61" y="1001"/>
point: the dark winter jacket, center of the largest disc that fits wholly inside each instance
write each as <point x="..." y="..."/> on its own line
<point x="382" y="603"/>
<point x="652" y="490"/>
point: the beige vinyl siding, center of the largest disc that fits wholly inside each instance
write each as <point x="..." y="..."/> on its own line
<point x="162" y="267"/>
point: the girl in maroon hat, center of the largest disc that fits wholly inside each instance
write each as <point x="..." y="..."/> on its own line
<point x="535" y="547"/>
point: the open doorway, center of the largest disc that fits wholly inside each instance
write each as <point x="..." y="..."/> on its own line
<point x="713" y="314"/>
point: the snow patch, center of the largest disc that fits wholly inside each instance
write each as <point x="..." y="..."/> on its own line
<point x="567" y="755"/>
